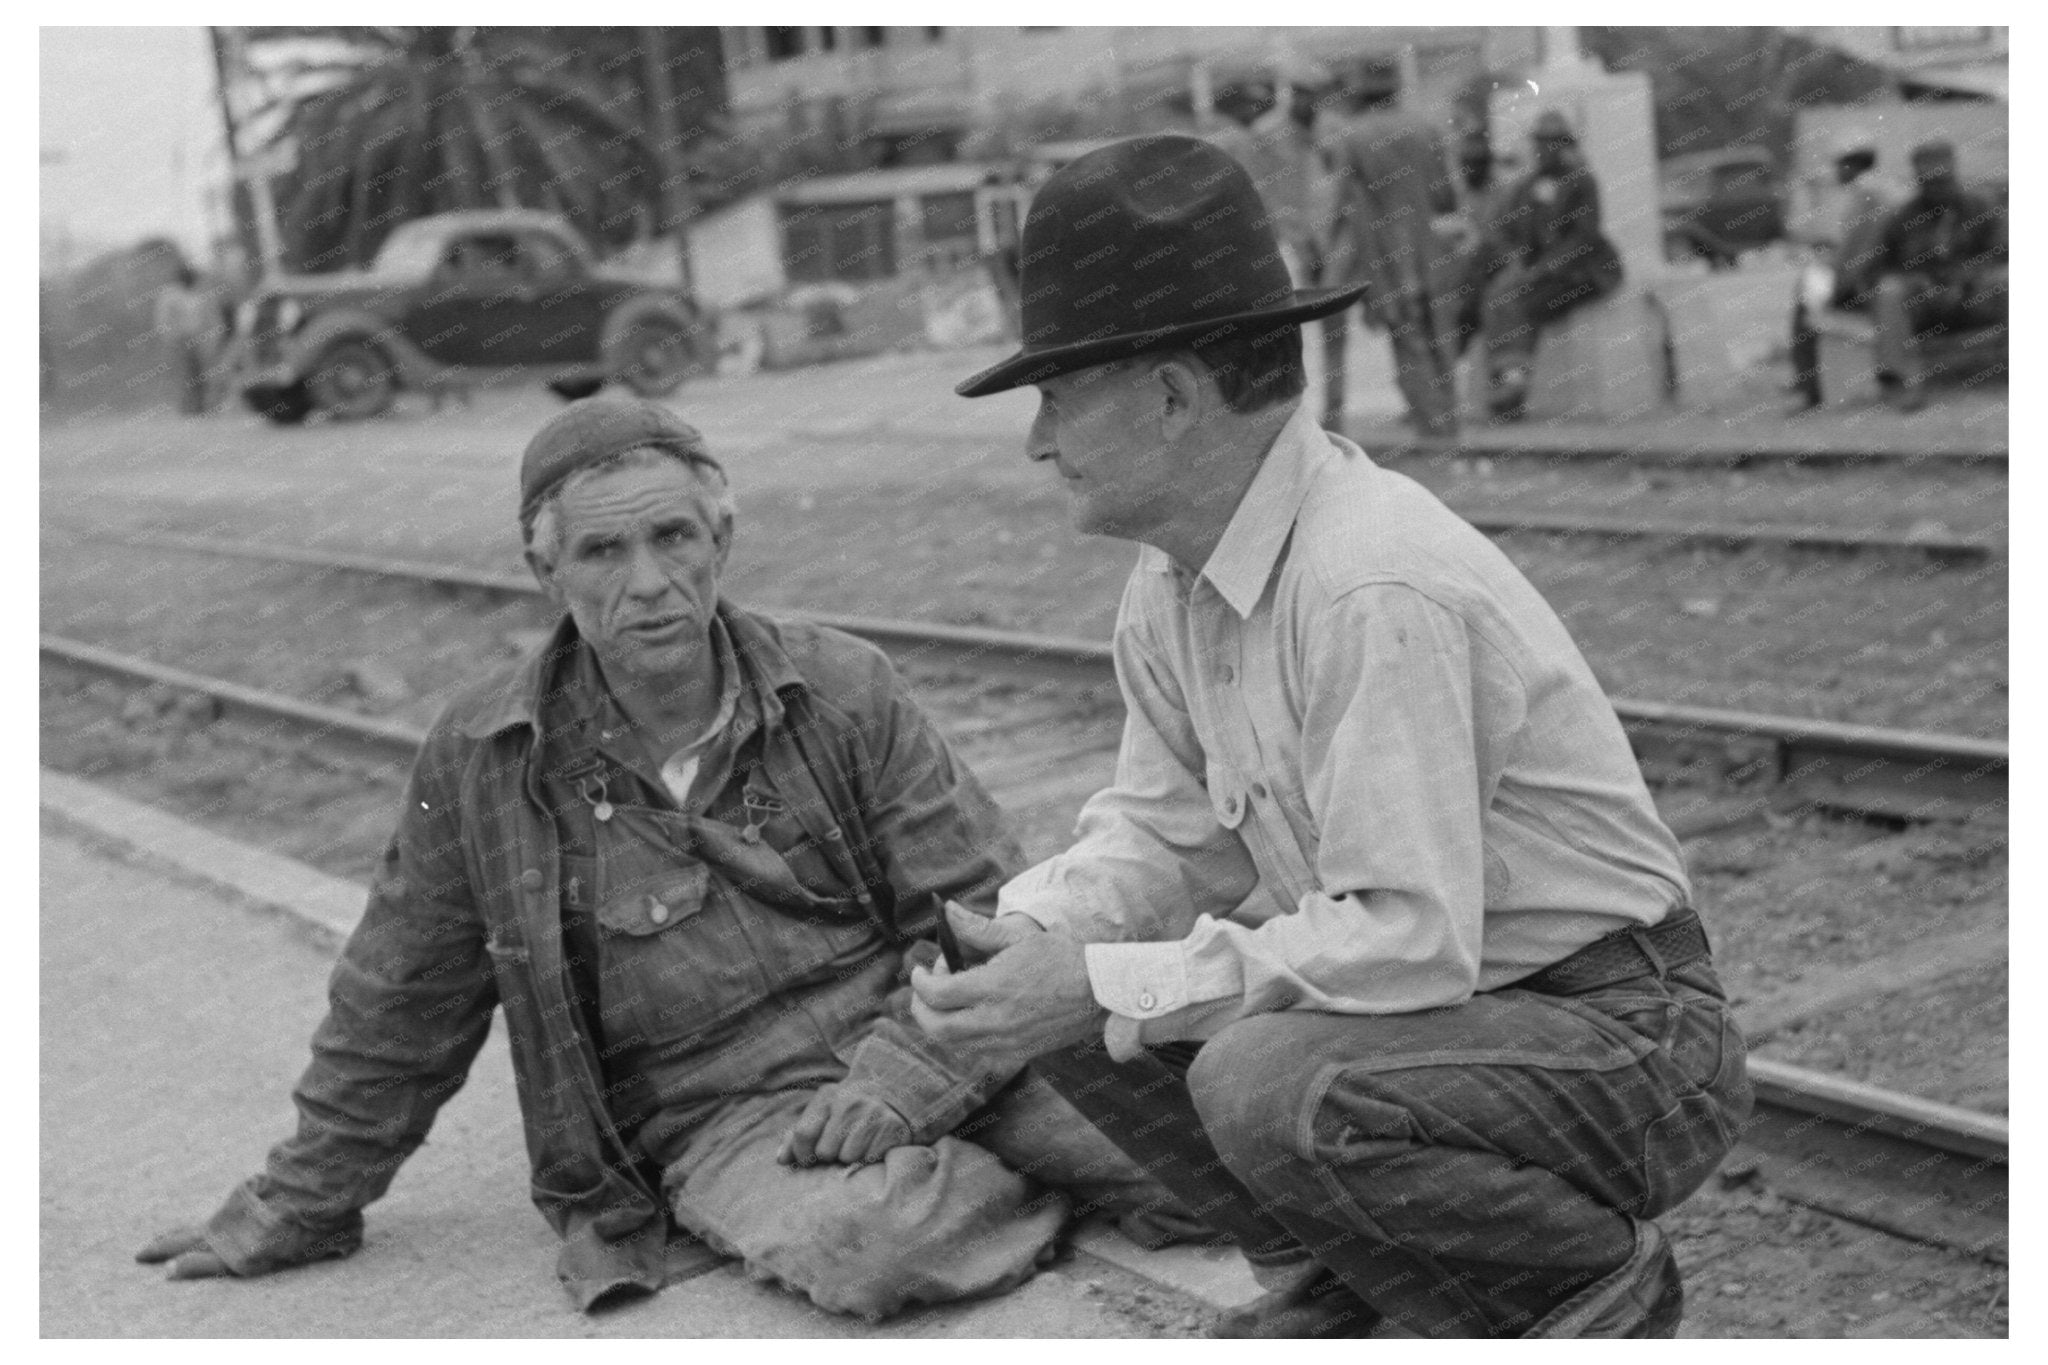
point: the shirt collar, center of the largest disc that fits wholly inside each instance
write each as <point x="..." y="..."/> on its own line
<point x="1244" y="559"/>
<point x="554" y="676"/>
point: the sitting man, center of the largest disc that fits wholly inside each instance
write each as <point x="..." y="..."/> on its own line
<point x="1548" y="260"/>
<point x="686" y="848"/>
<point x="1376" y="952"/>
<point x="1941" y="265"/>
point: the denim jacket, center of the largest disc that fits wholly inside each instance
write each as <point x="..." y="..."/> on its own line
<point x="465" y="916"/>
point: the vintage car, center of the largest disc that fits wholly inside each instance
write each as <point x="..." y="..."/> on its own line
<point x="459" y="300"/>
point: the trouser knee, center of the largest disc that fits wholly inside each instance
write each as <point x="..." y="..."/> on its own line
<point x="1248" y="1083"/>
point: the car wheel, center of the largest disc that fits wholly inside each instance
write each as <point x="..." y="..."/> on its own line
<point x="285" y="406"/>
<point x="352" y="380"/>
<point x="654" y="357"/>
<point x="569" y="390"/>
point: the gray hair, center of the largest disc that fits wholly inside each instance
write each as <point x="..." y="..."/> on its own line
<point x="543" y="528"/>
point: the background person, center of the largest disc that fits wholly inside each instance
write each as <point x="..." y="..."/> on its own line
<point x="1940" y="265"/>
<point x="1393" y="187"/>
<point x="1388" y="953"/>
<point x="1548" y="259"/>
<point x="187" y="319"/>
<point x="1841" y="229"/>
<point x="1283" y="150"/>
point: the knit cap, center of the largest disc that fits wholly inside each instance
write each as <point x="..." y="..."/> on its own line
<point x="592" y="430"/>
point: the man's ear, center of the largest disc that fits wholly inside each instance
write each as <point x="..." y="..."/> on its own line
<point x="1180" y="397"/>
<point x="544" y="574"/>
<point x="722" y="538"/>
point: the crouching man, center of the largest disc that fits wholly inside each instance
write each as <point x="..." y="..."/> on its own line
<point x="687" y="849"/>
<point x="1376" y="952"/>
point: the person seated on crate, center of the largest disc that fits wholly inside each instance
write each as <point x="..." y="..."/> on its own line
<point x="1941" y="267"/>
<point x="1547" y="259"/>
<point x="1376" y="951"/>
<point x="1841" y="231"/>
<point x="688" y="850"/>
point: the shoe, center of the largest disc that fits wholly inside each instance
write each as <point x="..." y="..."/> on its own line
<point x="1317" y="1304"/>
<point x="1643" y="1300"/>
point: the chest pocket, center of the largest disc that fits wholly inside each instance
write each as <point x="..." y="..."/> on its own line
<point x="674" y="959"/>
<point x="698" y="923"/>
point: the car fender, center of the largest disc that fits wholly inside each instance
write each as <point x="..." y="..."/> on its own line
<point x="415" y="369"/>
<point x="650" y="307"/>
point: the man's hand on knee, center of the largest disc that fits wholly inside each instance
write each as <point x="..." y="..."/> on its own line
<point x="845" y="1126"/>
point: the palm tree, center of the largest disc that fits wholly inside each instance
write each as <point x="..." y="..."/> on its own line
<point x="381" y="125"/>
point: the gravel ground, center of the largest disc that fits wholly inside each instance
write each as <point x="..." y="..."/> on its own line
<point x="1878" y="496"/>
<point x="1804" y="896"/>
<point x="1923" y="1050"/>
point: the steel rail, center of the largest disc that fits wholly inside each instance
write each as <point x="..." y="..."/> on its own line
<point x="1946" y="548"/>
<point x="1905" y="774"/>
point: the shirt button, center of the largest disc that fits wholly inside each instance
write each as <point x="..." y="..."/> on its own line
<point x="1259" y="790"/>
<point x="656" y="911"/>
<point x="1227" y="674"/>
<point x="1146" y="1000"/>
<point x="531" y="879"/>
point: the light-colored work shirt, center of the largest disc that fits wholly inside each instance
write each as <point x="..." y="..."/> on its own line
<point x="1364" y="770"/>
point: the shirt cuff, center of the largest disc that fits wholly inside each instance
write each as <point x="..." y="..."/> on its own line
<point x="1138" y="983"/>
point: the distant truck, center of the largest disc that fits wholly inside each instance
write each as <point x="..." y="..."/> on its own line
<point x="457" y="300"/>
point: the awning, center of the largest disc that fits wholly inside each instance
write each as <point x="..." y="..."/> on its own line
<point x="1994" y="82"/>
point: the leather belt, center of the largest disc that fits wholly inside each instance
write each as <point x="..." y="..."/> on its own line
<point x="1657" y="951"/>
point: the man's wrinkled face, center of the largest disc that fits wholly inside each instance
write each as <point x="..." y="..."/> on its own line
<point x="1100" y="429"/>
<point x="641" y="551"/>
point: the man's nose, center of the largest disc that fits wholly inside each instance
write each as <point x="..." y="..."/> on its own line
<point x="644" y="576"/>
<point x="1040" y="445"/>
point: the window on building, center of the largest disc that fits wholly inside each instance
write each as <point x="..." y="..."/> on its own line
<point x="853" y="242"/>
<point x="783" y="43"/>
<point x="872" y="36"/>
<point x="934" y="33"/>
<point x="828" y="39"/>
<point x="947" y="224"/>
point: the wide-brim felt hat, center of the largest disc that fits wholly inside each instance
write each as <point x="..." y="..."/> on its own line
<point x="1144" y="245"/>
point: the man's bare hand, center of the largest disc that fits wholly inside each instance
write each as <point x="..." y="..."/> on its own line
<point x="186" y="1249"/>
<point x="843" y="1126"/>
<point x="1030" y="997"/>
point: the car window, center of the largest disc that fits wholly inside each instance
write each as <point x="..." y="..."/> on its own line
<point x="483" y="258"/>
<point x="544" y="256"/>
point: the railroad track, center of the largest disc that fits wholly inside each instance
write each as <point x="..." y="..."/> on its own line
<point x="1911" y="1167"/>
<point x="1855" y="769"/>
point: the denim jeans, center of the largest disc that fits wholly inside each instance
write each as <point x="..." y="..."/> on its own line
<point x="1465" y="1170"/>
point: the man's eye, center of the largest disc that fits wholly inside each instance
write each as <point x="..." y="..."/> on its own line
<point x="677" y="533"/>
<point x="601" y="550"/>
